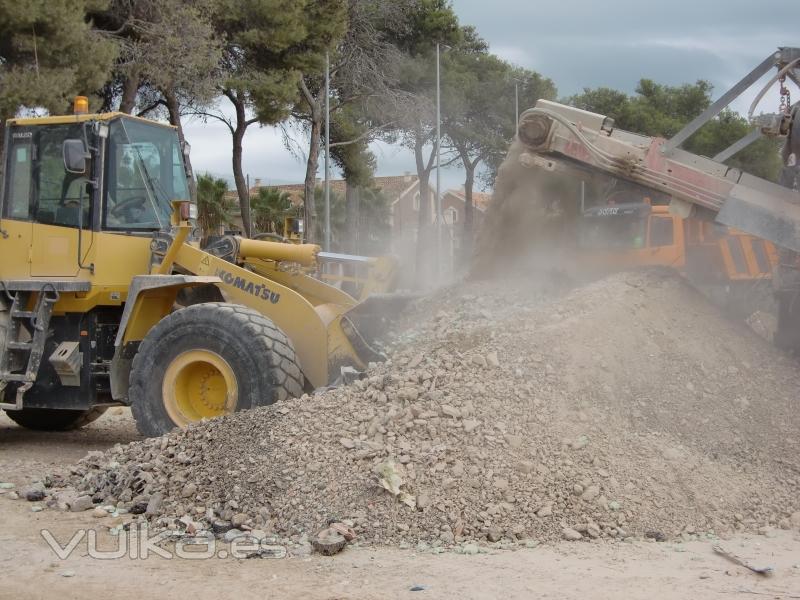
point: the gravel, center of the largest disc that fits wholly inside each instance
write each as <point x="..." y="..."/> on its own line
<point x="507" y="413"/>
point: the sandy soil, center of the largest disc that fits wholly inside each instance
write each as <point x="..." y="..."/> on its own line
<point x="567" y="570"/>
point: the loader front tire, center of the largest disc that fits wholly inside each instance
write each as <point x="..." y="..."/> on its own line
<point x="54" y="419"/>
<point x="206" y="361"/>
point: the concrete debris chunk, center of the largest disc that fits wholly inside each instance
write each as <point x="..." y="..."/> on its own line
<point x="390" y="479"/>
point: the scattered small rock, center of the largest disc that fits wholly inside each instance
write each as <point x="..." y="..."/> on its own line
<point x="655" y="535"/>
<point x="81" y="503"/>
<point x="580" y="442"/>
<point x="34" y="495"/>
<point x="494" y="534"/>
<point x="232" y="534"/>
<point x="590" y="493"/>
<point x="139" y="508"/>
<point x="423" y="501"/>
<point x="470" y="549"/>
<point x="479" y="360"/>
<point x="189" y="490"/>
<point x="154" y="504"/>
<point x="470" y="425"/>
<point x="451" y="411"/>
<point x="328" y="542"/>
<point x="239" y="519"/>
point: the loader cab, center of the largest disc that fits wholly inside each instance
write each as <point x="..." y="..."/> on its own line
<point x="69" y="179"/>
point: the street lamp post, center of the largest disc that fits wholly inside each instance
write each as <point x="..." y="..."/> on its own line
<point x="438" y="203"/>
<point x="327" y="152"/>
<point x="438" y="160"/>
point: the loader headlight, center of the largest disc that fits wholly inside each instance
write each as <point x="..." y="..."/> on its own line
<point x="192" y="211"/>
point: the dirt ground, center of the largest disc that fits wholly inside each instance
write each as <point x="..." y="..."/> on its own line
<point x="566" y="570"/>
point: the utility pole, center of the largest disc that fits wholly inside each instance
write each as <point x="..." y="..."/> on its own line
<point x="327" y="152"/>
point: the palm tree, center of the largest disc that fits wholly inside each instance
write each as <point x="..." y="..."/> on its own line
<point x="338" y="218"/>
<point x="270" y="207"/>
<point x="213" y="210"/>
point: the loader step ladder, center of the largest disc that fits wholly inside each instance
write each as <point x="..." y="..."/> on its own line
<point x="23" y="347"/>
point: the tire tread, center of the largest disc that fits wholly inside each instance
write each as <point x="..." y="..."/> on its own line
<point x="283" y="370"/>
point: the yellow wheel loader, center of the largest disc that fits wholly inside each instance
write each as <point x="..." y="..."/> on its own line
<point x="105" y="297"/>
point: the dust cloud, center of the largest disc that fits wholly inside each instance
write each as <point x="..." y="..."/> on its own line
<point x="530" y="227"/>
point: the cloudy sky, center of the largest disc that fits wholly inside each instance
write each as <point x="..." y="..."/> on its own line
<point x="577" y="43"/>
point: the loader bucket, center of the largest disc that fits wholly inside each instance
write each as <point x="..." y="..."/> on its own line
<point x="372" y="318"/>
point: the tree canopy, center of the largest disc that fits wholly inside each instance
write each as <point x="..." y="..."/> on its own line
<point x="662" y="110"/>
<point x="50" y="53"/>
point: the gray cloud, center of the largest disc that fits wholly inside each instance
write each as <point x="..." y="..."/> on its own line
<point x="581" y="43"/>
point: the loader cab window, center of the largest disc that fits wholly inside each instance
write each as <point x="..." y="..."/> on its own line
<point x="63" y="198"/>
<point x="19" y="167"/>
<point x="39" y="187"/>
<point x="144" y="173"/>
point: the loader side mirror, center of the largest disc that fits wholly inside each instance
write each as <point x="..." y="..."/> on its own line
<point x="186" y="150"/>
<point x="75" y="156"/>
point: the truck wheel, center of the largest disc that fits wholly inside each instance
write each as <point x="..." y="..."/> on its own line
<point x="54" y="419"/>
<point x="209" y="360"/>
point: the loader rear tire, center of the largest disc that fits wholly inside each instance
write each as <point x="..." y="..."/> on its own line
<point x="54" y="419"/>
<point x="209" y="360"/>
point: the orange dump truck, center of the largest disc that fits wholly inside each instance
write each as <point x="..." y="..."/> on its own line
<point x="731" y="266"/>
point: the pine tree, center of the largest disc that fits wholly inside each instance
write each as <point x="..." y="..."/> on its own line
<point x="50" y="53"/>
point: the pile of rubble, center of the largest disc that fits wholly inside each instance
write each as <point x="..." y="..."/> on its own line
<point x="628" y="407"/>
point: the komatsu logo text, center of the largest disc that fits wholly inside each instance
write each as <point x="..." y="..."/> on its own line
<point x="256" y="289"/>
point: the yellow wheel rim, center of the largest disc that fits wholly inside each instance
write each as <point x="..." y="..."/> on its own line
<point x="199" y="384"/>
